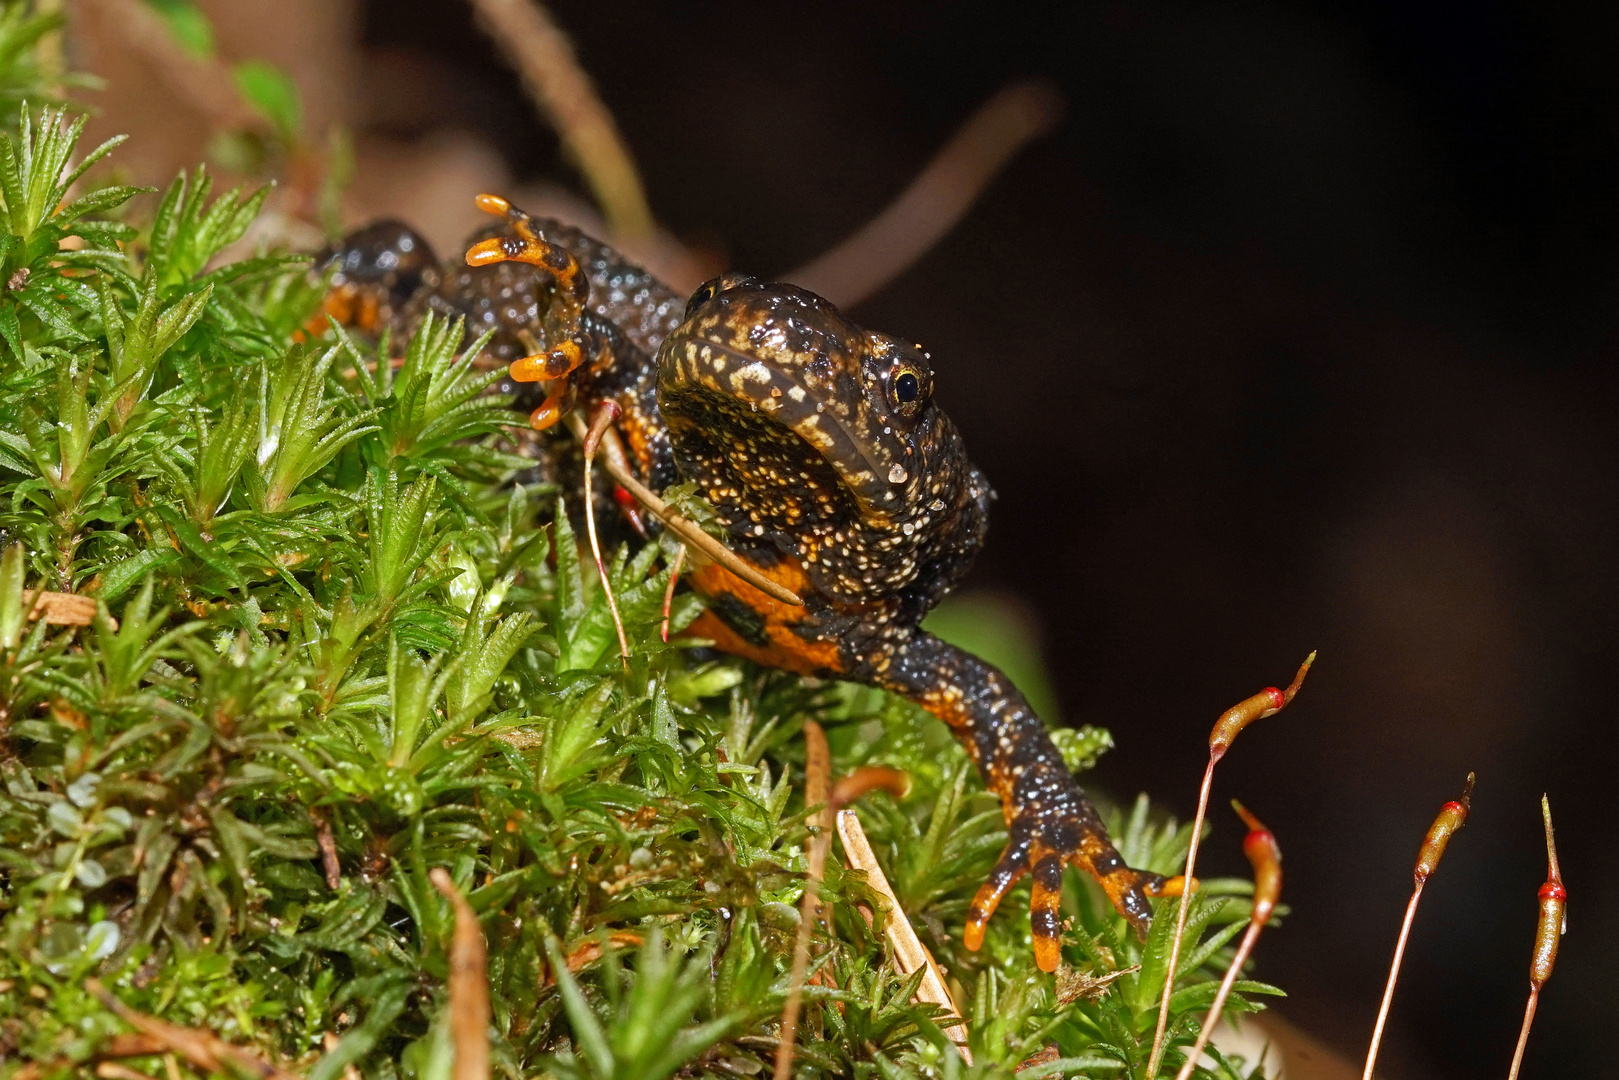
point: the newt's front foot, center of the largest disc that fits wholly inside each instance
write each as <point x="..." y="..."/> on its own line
<point x="1056" y="825"/>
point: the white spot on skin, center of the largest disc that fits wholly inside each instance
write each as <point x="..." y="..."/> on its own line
<point x="898" y="475"/>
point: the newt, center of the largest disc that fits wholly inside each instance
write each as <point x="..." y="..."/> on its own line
<point x="833" y="472"/>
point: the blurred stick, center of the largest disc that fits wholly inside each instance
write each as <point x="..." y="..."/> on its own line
<point x="469" y="984"/>
<point x="207" y="86"/>
<point x="536" y="46"/>
<point x="937" y="198"/>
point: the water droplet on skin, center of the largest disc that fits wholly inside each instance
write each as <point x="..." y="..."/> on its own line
<point x="898" y="475"/>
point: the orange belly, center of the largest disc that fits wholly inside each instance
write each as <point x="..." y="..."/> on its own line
<point x="778" y="644"/>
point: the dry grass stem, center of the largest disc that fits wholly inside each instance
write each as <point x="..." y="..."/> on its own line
<point x="605" y="415"/>
<point x="537" y="47"/>
<point x="469" y="984"/>
<point x="941" y="193"/>
<point x="689" y="531"/>
<point x="909" y="952"/>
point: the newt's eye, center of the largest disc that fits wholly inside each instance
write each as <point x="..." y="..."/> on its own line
<point x="907" y="389"/>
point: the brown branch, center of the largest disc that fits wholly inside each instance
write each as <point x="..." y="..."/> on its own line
<point x="537" y="47"/>
<point x="817" y="783"/>
<point x="207" y="86"/>
<point x="202" y="1049"/>
<point x="938" y="197"/>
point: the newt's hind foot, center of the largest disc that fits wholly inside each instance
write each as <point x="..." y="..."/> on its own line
<point x="564" y="319"/>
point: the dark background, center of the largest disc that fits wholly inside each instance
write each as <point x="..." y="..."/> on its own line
<point x="1299" y="333"/>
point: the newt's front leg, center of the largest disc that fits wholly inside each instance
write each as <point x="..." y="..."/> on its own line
<point x="1051" y="821"/>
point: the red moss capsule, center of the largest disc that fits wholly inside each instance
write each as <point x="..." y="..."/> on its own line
<point x="1452" y="816"/>
<point x="1267" y="702"/>
<point x="1553" y="910"/>
<point x="1266" y="858"/>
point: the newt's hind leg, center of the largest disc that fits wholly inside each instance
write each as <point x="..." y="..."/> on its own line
<point x="1050" y="821"/>
<point x="580" y="338"/>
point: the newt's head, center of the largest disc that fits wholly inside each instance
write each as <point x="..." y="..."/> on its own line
<point x="820" y="439"/>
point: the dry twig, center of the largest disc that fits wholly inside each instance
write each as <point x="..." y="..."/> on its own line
<point x="617" y="466"/>
<point x="941" y="193"/>
<point x="909" y="952"/>
<point x="606" y="413"/>
<point x="551" y="72"/>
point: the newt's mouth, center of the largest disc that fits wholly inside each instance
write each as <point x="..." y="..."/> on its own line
<point x="822" y="409"/>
